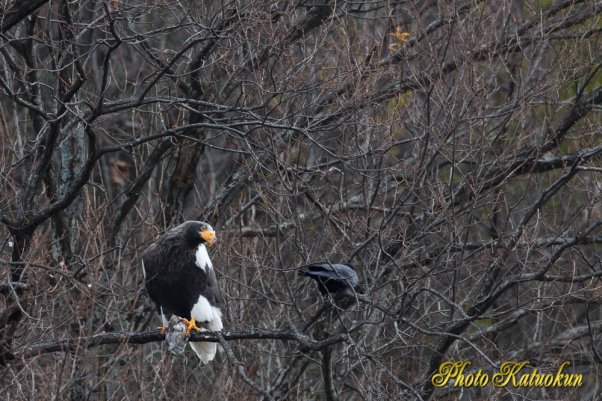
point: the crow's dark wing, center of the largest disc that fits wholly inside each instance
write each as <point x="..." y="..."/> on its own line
<point x="331" y="278"/>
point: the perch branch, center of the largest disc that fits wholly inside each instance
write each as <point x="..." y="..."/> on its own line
<point x="124" y="337"/>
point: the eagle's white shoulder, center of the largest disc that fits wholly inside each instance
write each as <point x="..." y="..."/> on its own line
<point x="202" y="258"/>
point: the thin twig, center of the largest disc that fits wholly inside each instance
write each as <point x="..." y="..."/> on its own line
<point x="240" y="368"/>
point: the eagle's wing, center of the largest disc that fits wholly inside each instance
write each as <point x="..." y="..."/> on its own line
<point x="153" y="266"/>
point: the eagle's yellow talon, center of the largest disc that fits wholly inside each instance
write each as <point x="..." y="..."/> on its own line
<point x="162" y="329"/>
<point x="190" y="325"/>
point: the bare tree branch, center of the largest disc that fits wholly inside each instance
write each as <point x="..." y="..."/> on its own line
<point x="11" y="16"/>
<point x="155" y="336"/>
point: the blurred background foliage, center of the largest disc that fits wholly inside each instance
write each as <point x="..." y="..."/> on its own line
<point x="457" y="167"/>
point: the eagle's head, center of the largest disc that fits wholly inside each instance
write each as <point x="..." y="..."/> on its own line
<point x="198" y="232"/>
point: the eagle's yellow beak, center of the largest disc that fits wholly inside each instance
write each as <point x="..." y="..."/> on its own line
<point x="208" y="236"/>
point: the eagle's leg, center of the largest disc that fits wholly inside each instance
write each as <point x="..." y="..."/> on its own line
<point x="162" y="329"/>
<point x="190" y="325"/>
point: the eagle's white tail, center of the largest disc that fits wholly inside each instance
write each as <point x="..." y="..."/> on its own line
<point x="206" y="350"/>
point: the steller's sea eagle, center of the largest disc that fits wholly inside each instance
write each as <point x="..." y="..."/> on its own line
<point x="335" y="279"/>
<point x="180" y="279"/>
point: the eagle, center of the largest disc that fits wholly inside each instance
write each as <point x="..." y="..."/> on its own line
<point x="180" y="279"/>
<point x="332" y="279"/>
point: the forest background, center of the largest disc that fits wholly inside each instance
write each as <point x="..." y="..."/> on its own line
<point x="457" y="167"/>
